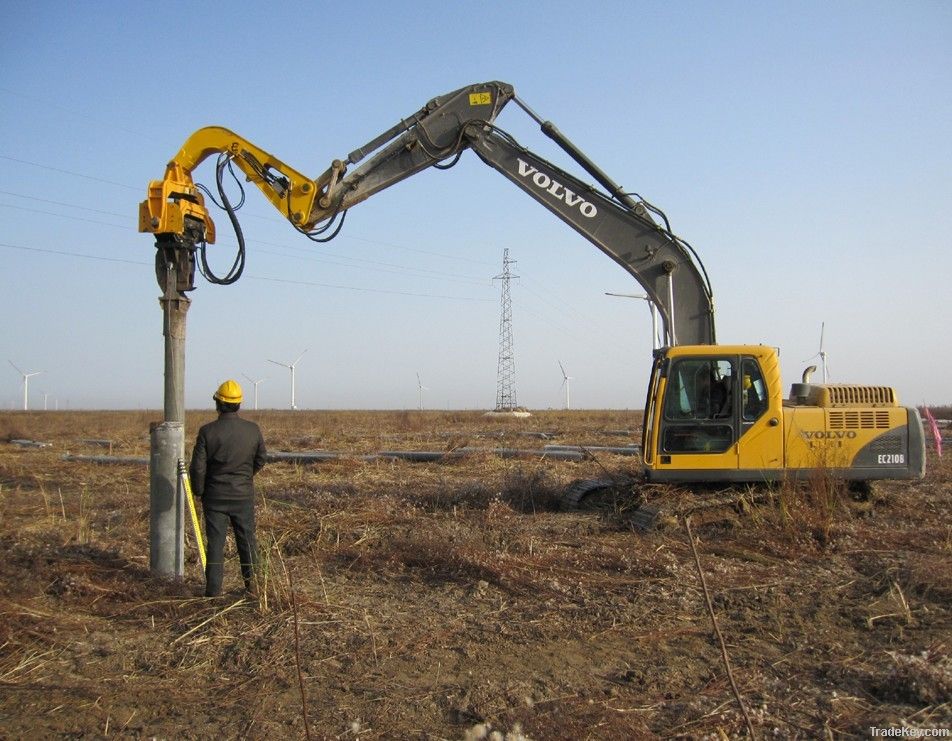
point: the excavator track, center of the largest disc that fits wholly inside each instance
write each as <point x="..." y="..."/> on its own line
<point x="578" y="491"/>
<point x="650" y="508"/>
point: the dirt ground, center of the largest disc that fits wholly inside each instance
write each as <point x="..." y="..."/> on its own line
<point x="453" y="600"/>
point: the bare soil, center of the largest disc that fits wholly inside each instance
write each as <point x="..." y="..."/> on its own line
<point x="453" y="599"/>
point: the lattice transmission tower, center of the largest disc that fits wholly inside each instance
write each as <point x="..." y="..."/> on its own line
<point x="506" y="367"/>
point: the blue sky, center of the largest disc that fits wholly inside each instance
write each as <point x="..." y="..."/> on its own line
<point x="802" y="148"/>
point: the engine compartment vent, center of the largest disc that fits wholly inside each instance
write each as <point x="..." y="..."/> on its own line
<point x="845" y="395"/>
<point x="866" y="419"/>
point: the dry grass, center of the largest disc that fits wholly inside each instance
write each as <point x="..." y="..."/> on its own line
<point x="438" y="599"/>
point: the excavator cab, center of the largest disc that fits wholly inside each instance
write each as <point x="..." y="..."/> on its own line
<point x="710" y="413"/>
<point x="716" y="413"/>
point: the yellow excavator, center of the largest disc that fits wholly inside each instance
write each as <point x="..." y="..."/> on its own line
<point x="714" y="413"/>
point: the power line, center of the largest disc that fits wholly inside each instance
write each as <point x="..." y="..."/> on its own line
<point x="253" y="277"/>
<point x="388" y="267"/>
<point x="458" y="258"/>
<point x="320" y="257"/>
<point x="317" y="257"/>
<point x="369" y="290"/>
<point x="271" y="218"/>
<point x="61" y="203"/>
<point x="308" y="254"/>
<point x="391" y="245"/>
<point x="73" y="112"/>
<point x="67" y="172"/>
<point x="63" y="216"/>
<point x="70" y="254"/>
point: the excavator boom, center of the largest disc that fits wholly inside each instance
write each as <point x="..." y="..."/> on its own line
<point x="435" y="136"/>
<point x="617" y="224"/>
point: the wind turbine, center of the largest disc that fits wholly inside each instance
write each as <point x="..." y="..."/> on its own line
<point x="26" y="384"/>
<point x="566" y="383"/>
<point x="821" y="354"/>
<point x="421" y="388"/>
<point x="291" y="368"/>
<point x="260" y="380"/>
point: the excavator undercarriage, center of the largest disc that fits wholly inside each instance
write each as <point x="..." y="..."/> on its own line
<point x="647" y="507"/>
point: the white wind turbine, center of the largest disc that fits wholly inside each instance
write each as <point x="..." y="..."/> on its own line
<point x="821" y="354"/>
<point x="26" y="384"/>
<point x="421" y="388"/>
<point x="291" y="368"/>
<point x="253" y="381"/>
<point x="566" y="382"/>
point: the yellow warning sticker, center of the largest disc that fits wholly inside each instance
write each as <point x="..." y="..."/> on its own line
<point x="480" y="98"/>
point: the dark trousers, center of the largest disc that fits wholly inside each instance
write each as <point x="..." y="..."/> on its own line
<point x="241" y="516"/>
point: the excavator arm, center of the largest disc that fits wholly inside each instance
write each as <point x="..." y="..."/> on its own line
<point x="435" y="136"/>
<point x="176" y="199"/>
<point x="659" y="261"/>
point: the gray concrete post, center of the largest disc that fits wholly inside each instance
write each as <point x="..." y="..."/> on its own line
<point x="167" y="440"/>
<point x="166" y="501"/>
<point x="174" y="311"/>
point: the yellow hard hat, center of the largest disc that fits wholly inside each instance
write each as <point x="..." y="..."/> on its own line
<point x="229" y="392"/>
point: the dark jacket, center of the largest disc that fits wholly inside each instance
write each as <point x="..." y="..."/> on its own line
<point x="227" y="455"/>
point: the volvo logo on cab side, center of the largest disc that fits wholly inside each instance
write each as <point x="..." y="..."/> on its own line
<point x="555" y="188"/>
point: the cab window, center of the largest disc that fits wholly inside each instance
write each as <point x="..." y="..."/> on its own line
<point x="754" y="391"/>
<point x="698" y="406"/>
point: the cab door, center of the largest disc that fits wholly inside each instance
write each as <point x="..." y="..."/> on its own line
<point x="760" y="448"/>
<point x="699" y="420"/>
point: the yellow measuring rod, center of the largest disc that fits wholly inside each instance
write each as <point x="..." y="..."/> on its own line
<point x="187" y="487"/>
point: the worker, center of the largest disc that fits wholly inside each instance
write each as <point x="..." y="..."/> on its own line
<point x="227" y="455"/>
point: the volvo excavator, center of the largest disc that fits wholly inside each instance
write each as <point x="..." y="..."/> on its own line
<point x="713" y="413"/>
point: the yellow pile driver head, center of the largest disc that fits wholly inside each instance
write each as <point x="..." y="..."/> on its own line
<point x="229" y="393"/>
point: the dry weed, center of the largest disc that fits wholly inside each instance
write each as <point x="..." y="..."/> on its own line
<point x="434" y="598"/>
